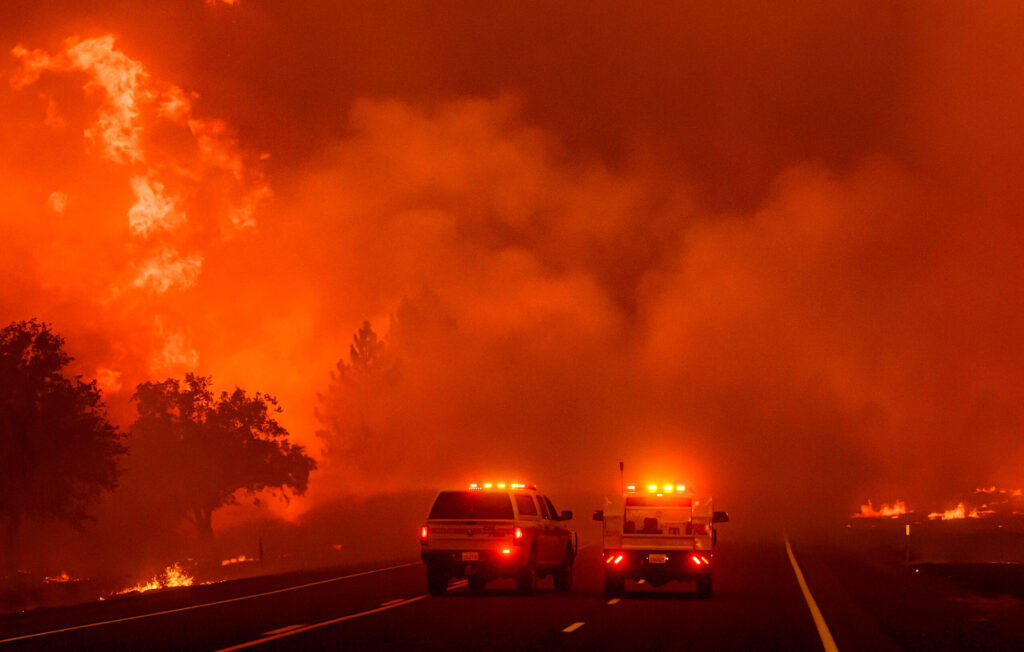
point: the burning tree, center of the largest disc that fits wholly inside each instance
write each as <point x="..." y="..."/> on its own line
<point x="59" y="450"/>
<point x="206" y="449"/>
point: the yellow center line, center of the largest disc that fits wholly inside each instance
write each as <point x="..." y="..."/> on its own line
<point x="819" y="621"/>
<point x="206" y="604"/>
<point x="572" y="628"/>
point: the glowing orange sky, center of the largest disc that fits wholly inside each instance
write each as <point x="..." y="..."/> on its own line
<point x="759" y="242"/>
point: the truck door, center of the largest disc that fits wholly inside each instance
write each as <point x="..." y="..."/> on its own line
<point x="547" y="535"/>
<point x="561" y="536"/>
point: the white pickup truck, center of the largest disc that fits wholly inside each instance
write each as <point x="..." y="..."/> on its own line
<point x="494" y="530"/>
<point x="659" y="535"/>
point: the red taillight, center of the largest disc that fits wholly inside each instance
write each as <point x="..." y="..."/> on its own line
<point x="697" y="561"/>
<point x="424" y="533"/>
<point x="518" y="536"/>
<point x="614" y="559"/>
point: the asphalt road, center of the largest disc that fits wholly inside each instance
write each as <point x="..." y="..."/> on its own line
<point x="758" y="605"/>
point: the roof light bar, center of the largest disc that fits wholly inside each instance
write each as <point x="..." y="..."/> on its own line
<point x="503" y="485"/>
<point x="659" y="489"/>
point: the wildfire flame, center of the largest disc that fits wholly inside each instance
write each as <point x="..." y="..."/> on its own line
<point x="236" y="560"/>
<point x="956" y="513"/>
<point x="172" y="576"/>
<point x="171" y="157"/>
<point x="899" y="508"/>
<point x="63" y="577"/>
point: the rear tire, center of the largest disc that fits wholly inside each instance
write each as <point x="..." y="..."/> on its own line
<point x="526" y="582"/>
<point x="614" y="587"/>
<point x="437" y="580"/>
<point x="477" y="583"/>
<point x="704" y="587"/>
<point x="563" y="576"/>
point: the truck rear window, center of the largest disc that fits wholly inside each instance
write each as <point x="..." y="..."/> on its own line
<point x="525" y="504"/>
<point x="472" y="505"/>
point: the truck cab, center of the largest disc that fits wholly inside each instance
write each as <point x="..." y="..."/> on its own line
<point x="659" y="535"/>
<point x="497" y="530"/>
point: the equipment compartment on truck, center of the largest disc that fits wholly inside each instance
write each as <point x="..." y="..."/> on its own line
<point x="659" y="535"/>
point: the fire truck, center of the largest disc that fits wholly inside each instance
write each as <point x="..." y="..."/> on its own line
<point x="497" y="530"/>
<point x="656" y="534"/>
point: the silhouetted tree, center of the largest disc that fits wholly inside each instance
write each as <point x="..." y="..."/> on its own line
<point x="357" y="397"/>
<point x="208" y="449"/>
<point x="361" y="411"/>
<point x="367" y="353"/>
<point x="58" y="451"/>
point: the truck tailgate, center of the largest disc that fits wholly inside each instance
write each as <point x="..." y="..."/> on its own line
<point x="468" y="535"/>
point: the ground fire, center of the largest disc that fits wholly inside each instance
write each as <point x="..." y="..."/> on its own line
<point x="173" y="576"/>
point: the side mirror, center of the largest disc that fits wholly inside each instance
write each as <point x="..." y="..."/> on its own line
<point x="720" y="517"/>
<point x="566" y="515"/>
<point x="598" y="514"/>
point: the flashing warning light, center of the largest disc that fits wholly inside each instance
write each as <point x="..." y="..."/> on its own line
<point x="660" y="489"/>
<point x="518" y="536"/>
<point x="506" y="551"/>
<point x="502" y="485"/>
<point x="424" y="533"/>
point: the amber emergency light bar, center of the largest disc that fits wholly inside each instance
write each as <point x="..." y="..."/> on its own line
<point x="659" y="490"/>
<point x="477" y="486"/>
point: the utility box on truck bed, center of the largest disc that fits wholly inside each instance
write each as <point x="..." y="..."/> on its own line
<point x="659" y="535"/>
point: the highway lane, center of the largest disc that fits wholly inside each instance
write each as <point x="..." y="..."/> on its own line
<point x="867" y="602"/>
<point x="757" y="605"/>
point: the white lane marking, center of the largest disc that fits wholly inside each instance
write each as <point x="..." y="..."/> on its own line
<point x="459" y="584"/>
<point x="207" y="604"/>
<point x="819" y="621"/>
<point x="391" y="602"/>
<point x="307" y="628"/>
<point x="283" y="629"/>
<point x="572" y="628"/>
<point x="614" y="601"/>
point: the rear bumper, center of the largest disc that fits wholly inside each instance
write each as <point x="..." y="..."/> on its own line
<point x="491" y="563"/>
<point x="637" y="565"/>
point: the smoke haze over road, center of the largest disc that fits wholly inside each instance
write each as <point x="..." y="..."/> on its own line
<point x="769" y="251"/>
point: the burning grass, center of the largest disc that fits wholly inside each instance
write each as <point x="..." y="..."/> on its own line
<point x="171" y="577"/>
